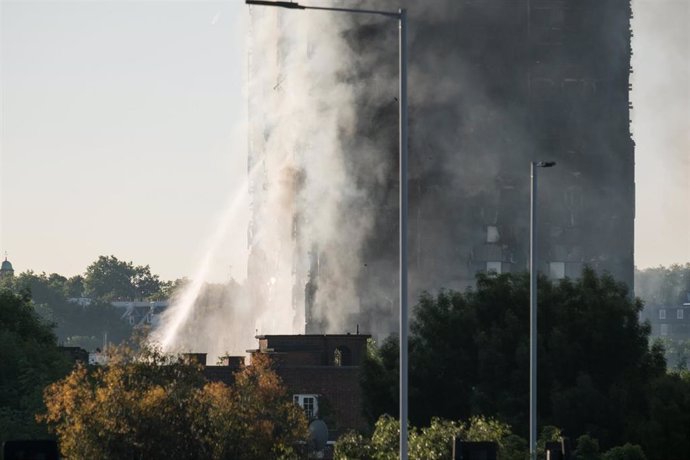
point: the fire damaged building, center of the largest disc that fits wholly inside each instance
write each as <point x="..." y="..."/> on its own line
<point x="493" y="85"/>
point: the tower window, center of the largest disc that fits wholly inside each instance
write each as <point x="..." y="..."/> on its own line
<point x="557" y="270"/>
<point x="494" y="267"/>
<point x="492" y="234"/>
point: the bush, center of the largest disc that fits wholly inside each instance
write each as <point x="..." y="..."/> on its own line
<point x="625" y="452"/>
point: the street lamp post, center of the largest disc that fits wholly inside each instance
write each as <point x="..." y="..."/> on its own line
<point x="401" y="16"/>
<point x="533" y="269"/>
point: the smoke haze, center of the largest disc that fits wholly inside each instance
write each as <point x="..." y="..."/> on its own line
<point x="661" y="128"/>
<point x="486" y="98"/>
<point x="303" y="204"/>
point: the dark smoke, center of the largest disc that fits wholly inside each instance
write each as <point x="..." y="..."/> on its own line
<point x="493" y="85"/>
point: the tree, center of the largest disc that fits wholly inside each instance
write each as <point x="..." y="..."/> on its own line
<point x="44" y="289"/>
<point x="379" y="379"/>
<point x="677" y="353"/>
<point x="74" y="287"/>
<point x="149" y="405"/>
<point x="433" y="442"/>
<point x="625" y="452"/>
<point x="267" y="422"/>
<point x="171" y="289"/>
<point x="587" y="448"/>
<point x="663" y="285"/>
<point x="666" y="425"/>
<point x="146" y="285"/>
<point x="49" y="295"/>
<point x="469" y="354"/>
<point x="90" y="322"/>
<point x="29" y="360"/>
<point x="108" y="279"/>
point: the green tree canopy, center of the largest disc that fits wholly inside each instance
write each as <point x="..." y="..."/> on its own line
<point x="109" y="278"/>
<point x="625" y="452"/>
<point x="469" y="354"/>
<point x="433" y="442"/>
<point x="44" y="289"/>
<point x="74" y="287"/>
<point x="677" y="353"/>
<point x="663" y="285"/>
<point x="29" y="360"/>
<point x="74" y="324"/>
<point x="148" y="405"/>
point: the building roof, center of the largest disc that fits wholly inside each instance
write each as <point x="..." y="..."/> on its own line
<point x="6" y="266"/>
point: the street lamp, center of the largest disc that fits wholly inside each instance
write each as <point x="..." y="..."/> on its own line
<point x="533" y="269"/>
<point x="401" y="16"/>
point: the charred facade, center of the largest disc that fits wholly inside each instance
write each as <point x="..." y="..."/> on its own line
<point x="493" y="85"/>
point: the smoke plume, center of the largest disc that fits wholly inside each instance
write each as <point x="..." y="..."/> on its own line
<point x="307" y="213"/>
<point x="492" y="87"/>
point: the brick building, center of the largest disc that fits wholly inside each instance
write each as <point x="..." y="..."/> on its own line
<point x="321" y="373"/>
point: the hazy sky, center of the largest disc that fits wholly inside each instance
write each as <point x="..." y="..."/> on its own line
<point x="661" y="129"/>
<point x="121" y="132"/>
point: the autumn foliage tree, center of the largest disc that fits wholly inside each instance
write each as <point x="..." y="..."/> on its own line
<point x="147" y="405"/>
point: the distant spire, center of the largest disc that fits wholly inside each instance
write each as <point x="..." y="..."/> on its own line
<point x="6" y="268"/>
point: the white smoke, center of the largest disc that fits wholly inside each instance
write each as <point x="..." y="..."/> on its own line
<point x="171" y="334"/>
<point x="303" y="204"/>
<point x="302" y="106"/>
<point x="660" y="121"/>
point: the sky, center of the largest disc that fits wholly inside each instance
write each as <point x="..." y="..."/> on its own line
<point x="661" y="130"/>
<point x="121" y="132"/>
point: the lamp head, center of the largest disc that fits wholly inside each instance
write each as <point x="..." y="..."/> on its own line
<point x="545" y="164"/>
<point x="291" y="5"/>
